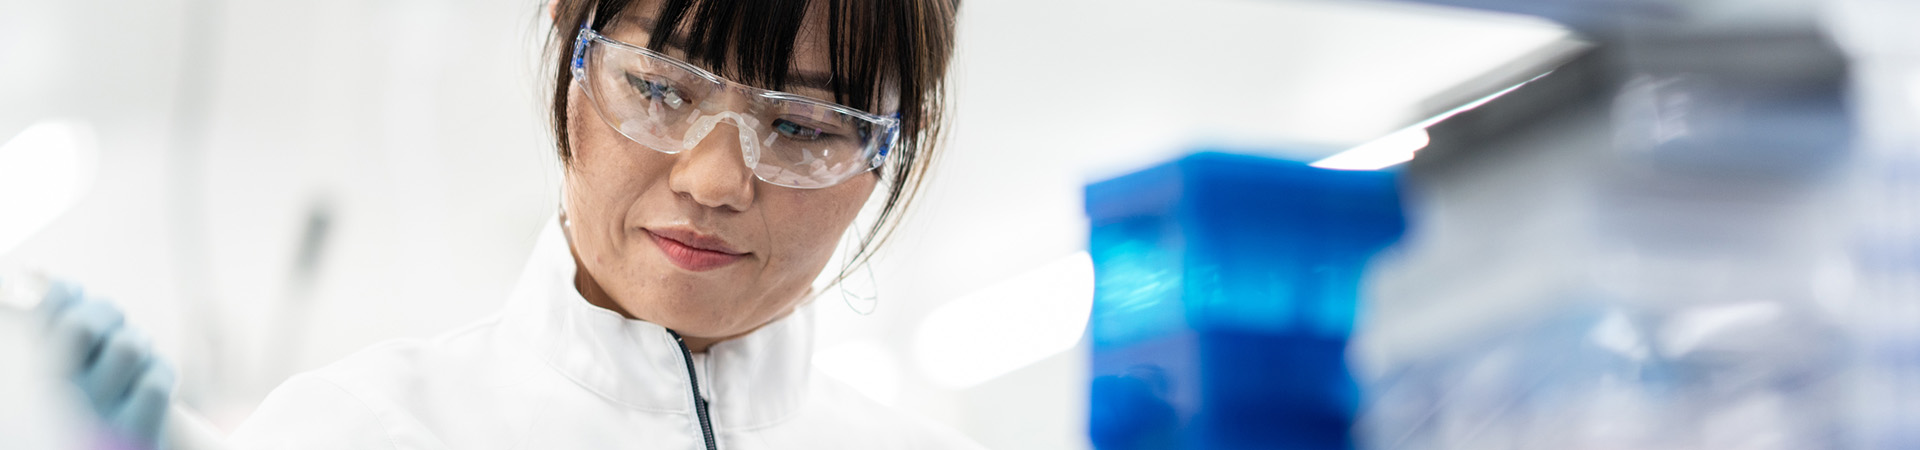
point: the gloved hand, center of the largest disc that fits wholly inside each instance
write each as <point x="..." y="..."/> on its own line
<point x="126" y="383"/>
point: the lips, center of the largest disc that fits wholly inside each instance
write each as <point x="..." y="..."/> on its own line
<point x="693" y="251"/>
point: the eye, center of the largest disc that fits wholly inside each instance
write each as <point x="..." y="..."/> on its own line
<point x="658" y="91"/>
<point x="798" y="131"/>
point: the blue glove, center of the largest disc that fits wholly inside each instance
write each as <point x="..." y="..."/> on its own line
<point x="126" y="383"/>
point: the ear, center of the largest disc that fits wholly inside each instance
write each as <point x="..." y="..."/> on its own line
<point x="553" y="10"/>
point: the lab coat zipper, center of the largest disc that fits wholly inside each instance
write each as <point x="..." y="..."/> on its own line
<point x="699" y="402"/>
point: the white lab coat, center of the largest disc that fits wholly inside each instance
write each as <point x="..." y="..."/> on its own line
<point x="551" y="371"/>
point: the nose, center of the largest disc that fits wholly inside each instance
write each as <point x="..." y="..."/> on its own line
<point x="713" y="173"/>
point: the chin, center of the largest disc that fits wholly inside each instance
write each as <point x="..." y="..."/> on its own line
<point x="695" y="314"/>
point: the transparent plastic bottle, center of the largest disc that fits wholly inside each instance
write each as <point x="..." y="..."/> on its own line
<point x="1645" y="249"/>
<point x="1879" y="37"/>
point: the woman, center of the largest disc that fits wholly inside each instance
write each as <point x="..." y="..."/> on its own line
<point x="714" y="154"/>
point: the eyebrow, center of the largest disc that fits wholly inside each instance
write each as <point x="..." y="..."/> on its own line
<point x="804" y="79"/>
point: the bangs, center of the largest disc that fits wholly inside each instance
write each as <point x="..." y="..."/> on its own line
<point x="869" y="43"/>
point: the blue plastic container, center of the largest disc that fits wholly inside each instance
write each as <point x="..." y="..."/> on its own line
<point x="1225" y="291"/>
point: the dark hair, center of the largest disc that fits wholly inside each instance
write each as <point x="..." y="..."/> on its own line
<point x="876" y="48"/>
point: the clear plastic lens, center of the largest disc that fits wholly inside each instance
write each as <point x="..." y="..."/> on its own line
<point x="785" y="139"/>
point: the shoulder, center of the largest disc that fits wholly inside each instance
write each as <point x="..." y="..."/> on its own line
<point x="309" y="411"/>
<point x="858" y="417"/>
<point x="391" y="395"/>
<point x="403" y="370"/>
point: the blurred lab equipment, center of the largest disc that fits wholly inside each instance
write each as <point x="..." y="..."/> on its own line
<point x="59" y="340"/>
<point x="1884" y="49"/>
<point x="39" y="413"/>
<point x="55" y="330"/>
<point x="127" y="385"/>
<point x="1225" y="289"/>
<point x="1646" y="247"/>
<point x="44" y="170"/>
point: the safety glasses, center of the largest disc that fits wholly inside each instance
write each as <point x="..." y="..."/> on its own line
<point x="669" y="105"/>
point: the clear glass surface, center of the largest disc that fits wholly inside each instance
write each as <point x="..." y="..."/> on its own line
<point x="670" y="106"/>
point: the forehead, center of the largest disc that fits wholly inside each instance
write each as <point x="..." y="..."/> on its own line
<point x="810" y="59"/>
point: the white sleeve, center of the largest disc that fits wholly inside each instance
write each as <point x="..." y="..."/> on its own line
<point x="310" y="412"/>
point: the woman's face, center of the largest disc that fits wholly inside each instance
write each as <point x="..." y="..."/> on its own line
<point x="692" y="241"/>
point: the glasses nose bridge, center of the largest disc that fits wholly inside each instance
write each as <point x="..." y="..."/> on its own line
<point x="712" y="162"/>
<point x="741" y="130"/>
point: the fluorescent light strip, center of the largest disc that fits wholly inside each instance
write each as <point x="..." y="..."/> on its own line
<point x="43" y="171"/>
<point x="1379" y="153"/>
<point x="1399" y="146"/>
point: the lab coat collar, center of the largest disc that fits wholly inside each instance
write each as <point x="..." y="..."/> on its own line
<point x="750" y="382"/>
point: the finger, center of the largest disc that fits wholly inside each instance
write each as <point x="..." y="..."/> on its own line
<point x="144" y="414"/>
<point x="79" y="330"/>
<point x="111" y="376"/>
<point x="58" y="297"/>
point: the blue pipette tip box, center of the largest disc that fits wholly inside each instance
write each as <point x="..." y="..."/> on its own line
<point x="1226" y="287"/>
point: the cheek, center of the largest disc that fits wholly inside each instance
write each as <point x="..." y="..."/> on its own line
<point x="605" y="179"/>
<point x="594" y="145"/>
<point x="604" y="159"/>
<point x="813" y="222"/>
